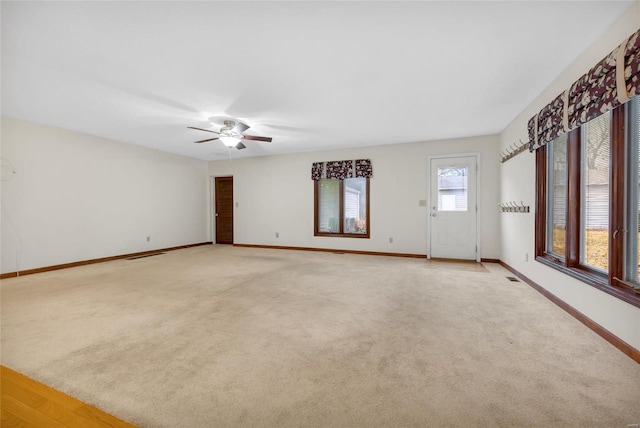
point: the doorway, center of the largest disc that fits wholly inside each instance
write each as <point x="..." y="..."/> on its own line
<point x="224" y="210"/>
<point x="453" y="210"/>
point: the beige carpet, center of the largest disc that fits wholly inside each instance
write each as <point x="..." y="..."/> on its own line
<point x="218" y="336"/>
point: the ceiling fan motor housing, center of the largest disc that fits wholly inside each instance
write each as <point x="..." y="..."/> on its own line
<point x="228" y="129"/>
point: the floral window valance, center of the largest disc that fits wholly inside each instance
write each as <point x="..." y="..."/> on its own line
<point x="611" y="82"/>
<point x="341" y="169"/>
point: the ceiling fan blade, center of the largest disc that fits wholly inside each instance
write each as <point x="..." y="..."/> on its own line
<point x="241" y="127"/>
<point x="200" y="129"/>
<point x="204" y="141"/>
<point x="240" y="146"/>
<point x="253" y="137"/>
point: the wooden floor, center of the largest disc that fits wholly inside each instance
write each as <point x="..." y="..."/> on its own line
<point x="27" y="403"/>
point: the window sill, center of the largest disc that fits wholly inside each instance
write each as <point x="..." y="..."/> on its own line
<point x="595" y="280"/>
<point x="342" y="235"/>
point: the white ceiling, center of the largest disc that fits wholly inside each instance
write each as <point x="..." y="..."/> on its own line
<point x="312" y="75"/>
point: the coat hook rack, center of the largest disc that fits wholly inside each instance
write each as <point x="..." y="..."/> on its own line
<point x="513" y="207"/>
<point x="513" y="150"/>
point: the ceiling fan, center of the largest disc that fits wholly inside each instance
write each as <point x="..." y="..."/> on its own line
<point x="231" y="135"/>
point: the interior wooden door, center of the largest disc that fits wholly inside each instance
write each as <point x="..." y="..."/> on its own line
<point x="224" y="210"/>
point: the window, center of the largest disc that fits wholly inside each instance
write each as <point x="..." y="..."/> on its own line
<point x="452" y="189"/>
<point x="595" y="189"/>
<point x="557" y="197"/>
<point x="632" y="259"/>
<point x="341" y="207"/>
<point x="588" y="203"/>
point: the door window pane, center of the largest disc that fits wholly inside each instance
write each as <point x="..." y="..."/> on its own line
<point x="595" y="191"/>
<point x="452" y="189"/>
<point x="355" y="205"/>
<point x="329" y="205"/>
<point x="557" y="196"/>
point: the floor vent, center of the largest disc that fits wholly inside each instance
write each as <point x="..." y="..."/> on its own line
<point x="143" y="256"/>
<point x="513" y="279"/>
<point x="337" y="252"/>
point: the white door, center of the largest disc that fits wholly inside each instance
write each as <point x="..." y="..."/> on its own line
<point x="453" y="211"/>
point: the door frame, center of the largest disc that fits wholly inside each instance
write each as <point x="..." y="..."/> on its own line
<point x="212" y="206"/>
<point x="478" y="198"/>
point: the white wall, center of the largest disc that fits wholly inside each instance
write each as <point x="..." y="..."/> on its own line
<point x="275" y="194"/>
<point x="77" y="197"/>
<point x="517" y="178"/>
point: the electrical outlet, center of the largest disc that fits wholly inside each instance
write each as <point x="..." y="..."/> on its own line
<point x="148" y="238"/>
<point x="526" y="257"/>
<point x="277" y="234"/>
<point x="390" y="240"/>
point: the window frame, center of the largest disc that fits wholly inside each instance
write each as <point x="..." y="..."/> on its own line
<point x="341" y="191"/>
<point x="571" y="265"/>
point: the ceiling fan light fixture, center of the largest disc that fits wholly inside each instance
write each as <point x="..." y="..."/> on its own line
<point x="229" y="140"/>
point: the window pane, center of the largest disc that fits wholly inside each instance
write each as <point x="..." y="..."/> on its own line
<point x="596" y="164"/>
<point x="355" y="205"/>
<point x="635" y="183"/>
<point x="329" y="206"/>
<point x="557" y="196"/>
<point x="452" y="189"/>
<point x="632" y="258"/>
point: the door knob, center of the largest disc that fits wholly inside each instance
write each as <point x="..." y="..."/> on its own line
<point x="216" y="214"/>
